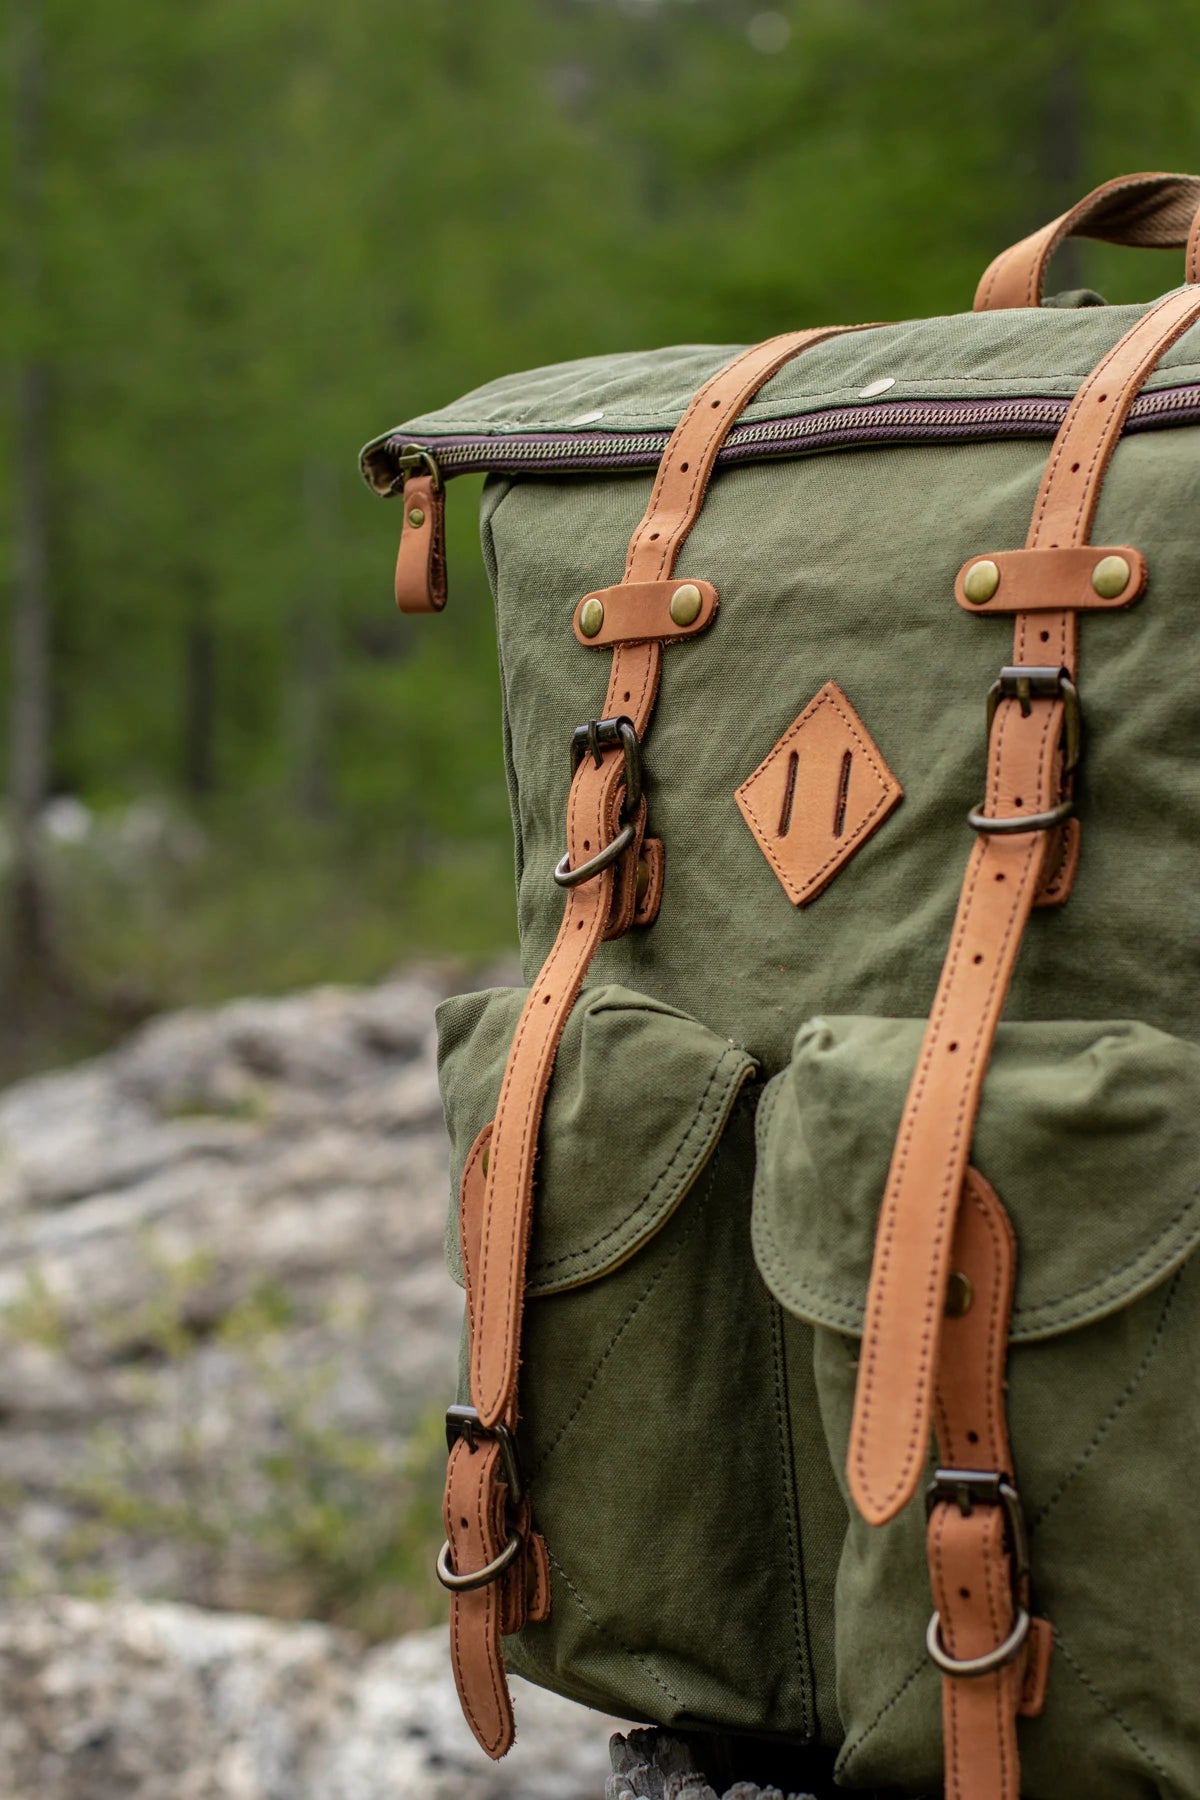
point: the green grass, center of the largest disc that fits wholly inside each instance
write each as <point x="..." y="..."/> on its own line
<point x="249" y="902"/>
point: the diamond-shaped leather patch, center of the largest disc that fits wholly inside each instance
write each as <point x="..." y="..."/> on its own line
<point x="819" y="795"/>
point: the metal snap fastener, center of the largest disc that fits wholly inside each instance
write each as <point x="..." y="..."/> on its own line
<point x="416" y="516"/>
<point x="591" y="617"/>
<point x="686" y="602"/>
<point x="1110" y="576"/>
<point x="873" y="389"/>
<point x="981" y="581"/>
<point x="960" y="1295"/>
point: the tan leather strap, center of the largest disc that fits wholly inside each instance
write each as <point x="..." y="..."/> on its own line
<point x="593" y="808"/>
<point x="977" y="1585"/>
<point x="1046" y="580"/>
<point x="631" y="612"/>
<point x="893" y="1401"/>
<point x="593" y="814"/>
<point x="421" y="558"/>
<point x="1153" y="210"/>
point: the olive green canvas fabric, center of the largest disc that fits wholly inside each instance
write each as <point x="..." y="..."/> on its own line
<point x="686" y="1400"/>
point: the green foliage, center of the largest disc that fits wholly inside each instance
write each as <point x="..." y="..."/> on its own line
<point x="273" y="228"/>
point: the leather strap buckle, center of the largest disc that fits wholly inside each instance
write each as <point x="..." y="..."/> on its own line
<point x="967" y="1489"/>
<point x="593" y="739"/>
<point x="1025" y="685"/>
<point x="464" y="1423"/>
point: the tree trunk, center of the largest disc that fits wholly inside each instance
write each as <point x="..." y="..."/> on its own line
<point x="198" y="763"/>
<point x="313" y="660"/>
<point x="29" y="755"/>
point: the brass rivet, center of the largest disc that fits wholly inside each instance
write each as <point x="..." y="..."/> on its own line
<point x="960" y="1295"/>
<point x="1110" y="576"/>
<point x="416" y="516"/>
<point x="643" y="877"/>
<point x="686" y="602"/>
<point x="591" y="617"/>
<point x="980" y="582"/>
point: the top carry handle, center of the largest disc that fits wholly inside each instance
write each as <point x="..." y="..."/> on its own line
<point x="1151" y="211"/>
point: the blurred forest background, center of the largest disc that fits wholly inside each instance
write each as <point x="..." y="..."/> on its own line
<point x="245" y="235"/>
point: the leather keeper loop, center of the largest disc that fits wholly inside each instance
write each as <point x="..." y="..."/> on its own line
<point x="1051" y="580"/>
<point x="640" y="612"/>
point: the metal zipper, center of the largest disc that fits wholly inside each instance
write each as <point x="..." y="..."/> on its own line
<point x="840" y="427"/>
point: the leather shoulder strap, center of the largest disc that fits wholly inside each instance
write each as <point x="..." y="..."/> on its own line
<point x="500" y="1217"/>
<point x="891" y="1426"/>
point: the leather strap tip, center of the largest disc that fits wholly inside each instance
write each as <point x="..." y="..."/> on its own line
<point x="1036" y="1676"/>
<point x="881" y="1495"/>
<point x="421" y="559"/>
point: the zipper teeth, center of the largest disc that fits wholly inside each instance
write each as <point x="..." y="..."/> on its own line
<point x="553" y="452"/>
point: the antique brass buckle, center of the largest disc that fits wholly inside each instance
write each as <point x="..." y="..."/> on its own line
<point x="1027" y="685"/>
<point x="594" y="739"/>
<point x="967" y="1489"/>
<point x="464" y="1422"/>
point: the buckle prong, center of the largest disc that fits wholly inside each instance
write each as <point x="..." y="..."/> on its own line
<point x="967" y="1489"/>
<point x="593" y="739"/>
<point x="1025" y="684"/>
<point x="464" y="1424"/>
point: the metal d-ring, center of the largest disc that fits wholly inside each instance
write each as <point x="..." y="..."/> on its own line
<point x="973" y="1666"/>
<point x="1014" y="826"/>
<point x="463" y="1584"/>
<point x="568" y="877"/>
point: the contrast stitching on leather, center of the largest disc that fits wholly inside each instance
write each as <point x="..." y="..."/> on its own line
<point x="1034" y="1324"/>
<point x="890" y="1222"/>
<point x="845" y="844"/>
<point x="1107" y="1423"/>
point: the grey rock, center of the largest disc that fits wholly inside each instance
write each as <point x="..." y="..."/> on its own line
<point x="653" y="1765"/>
<point x="126" y="1701"/>
<point x="286" y="1155"/>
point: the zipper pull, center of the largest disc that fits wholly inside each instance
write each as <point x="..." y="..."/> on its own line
<point x="421" y="560"/>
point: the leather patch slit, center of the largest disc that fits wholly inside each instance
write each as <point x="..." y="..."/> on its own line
<point x="818" y="795"/>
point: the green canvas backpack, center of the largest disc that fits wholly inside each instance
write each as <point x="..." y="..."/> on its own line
<point x="851" y="697"/>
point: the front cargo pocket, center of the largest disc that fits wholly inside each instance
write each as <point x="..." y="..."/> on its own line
<point x="1090" y="1133"/>
<point x="654" y="1419"/>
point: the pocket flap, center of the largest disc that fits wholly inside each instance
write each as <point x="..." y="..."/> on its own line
<point x="638" y="1099"/>
<point x="1087" y="1130"/>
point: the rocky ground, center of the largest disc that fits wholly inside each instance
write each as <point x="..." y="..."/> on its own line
<point x="161" y="1702"/>
<point x="220" y="1255"/>
<point x="226" y="1337"/>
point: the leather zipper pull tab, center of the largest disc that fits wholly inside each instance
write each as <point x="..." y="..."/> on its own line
<point x="421" y="560"/>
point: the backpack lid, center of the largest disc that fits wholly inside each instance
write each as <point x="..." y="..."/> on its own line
<point x="985" y="374"/>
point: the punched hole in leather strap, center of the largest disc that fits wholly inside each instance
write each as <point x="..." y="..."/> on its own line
<point x="507" y="1206"/>
<point x="980" y="1589"/>
<point x="893" y="1398"/>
